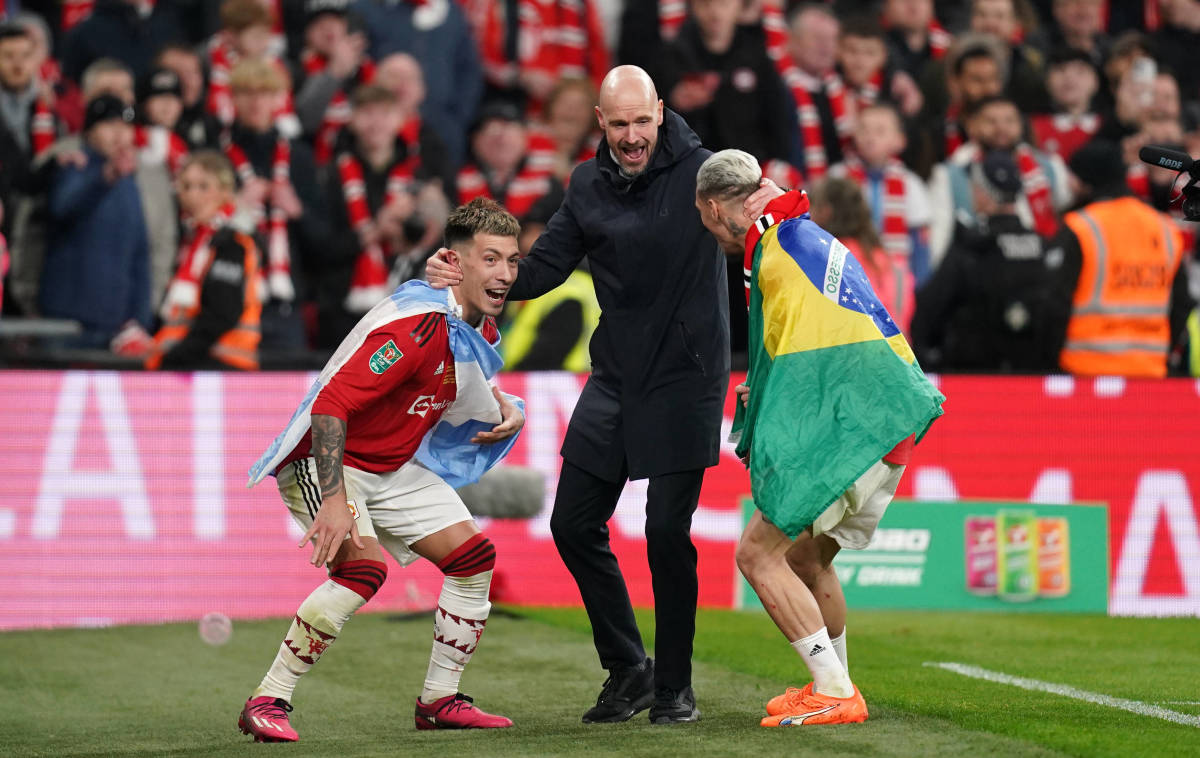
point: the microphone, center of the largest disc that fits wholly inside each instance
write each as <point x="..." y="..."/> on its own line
<point x="1167" y="158"/>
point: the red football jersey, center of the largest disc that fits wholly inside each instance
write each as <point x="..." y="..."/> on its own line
<point x="390" y="393"/>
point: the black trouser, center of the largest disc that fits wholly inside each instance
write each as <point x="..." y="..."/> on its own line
<point x="582" y="507"/>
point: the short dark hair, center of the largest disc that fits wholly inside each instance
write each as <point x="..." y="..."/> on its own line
<point x="481" y="215"/>
<point x="9" y="30"/>
<point x="867" y="27"/>
<point x="974" y="52"/>
<point x="372" y="94"/>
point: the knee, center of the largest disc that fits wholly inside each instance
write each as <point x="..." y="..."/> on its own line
<point x="569" y="529"/>
<point x="807" y="567"/>
<point x="662" y="530"/>
<point x="364" y="577"/>
<point x="751" y="559"/>
<point x="475" y="556"/>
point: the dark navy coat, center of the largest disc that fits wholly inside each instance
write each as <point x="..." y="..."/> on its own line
<point x="660" y="355"/>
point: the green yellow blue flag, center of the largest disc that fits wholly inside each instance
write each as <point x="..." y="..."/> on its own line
<point x="833" y="383"/>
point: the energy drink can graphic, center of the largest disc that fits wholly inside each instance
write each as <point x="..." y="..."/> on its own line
<point x="1054" y="557"/>
<point x="1016" y="554"/>
<point x="980" y="553"/>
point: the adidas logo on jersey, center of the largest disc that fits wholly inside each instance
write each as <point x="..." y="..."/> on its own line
<point x="441" y="367"/>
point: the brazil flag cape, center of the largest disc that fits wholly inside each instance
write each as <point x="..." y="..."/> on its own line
<point x="834" y="385"/>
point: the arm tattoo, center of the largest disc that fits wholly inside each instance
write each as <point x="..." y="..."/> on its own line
<point x="328" y="444"/>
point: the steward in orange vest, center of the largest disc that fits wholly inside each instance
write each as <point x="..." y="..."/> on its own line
<point x="1130" y="297"/>
<point x="212" y="308"/>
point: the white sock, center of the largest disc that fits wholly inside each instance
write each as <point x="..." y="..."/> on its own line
<point x="839" y="647"/>
<point x="318" y="622"/>
<point x="829" y="676"/>
<point x="457" y="626"/>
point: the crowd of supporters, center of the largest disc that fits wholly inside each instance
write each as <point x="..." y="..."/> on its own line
<point x="330" y="139"/>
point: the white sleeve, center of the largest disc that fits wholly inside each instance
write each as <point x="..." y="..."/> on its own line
<point x="917" y="209"/>
<point x="941" y="209"/>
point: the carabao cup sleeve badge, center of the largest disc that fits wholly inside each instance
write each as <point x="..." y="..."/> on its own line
<point x="385" y="356"/>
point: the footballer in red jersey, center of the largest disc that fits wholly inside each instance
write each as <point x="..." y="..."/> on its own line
<point x="353" y="483"/>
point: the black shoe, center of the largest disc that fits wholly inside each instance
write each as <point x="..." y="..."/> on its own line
<point x="674" y="706"/>
<point x="626" y="691"/>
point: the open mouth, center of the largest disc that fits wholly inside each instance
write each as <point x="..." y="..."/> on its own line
<point x="496" y="296"/>
<point x="633" y="153"/>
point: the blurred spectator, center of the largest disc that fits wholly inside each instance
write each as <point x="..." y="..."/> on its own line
<point x="61" y="93"/>
<point x="278" y="198"/>
<point x="1133" y="97"/>
<point x="570" y="120"/>
<point x="825" y="118"/>
<point x="716" y="74"/>
<point x="401" y="74"/>
<point x="1127" y="48"/>
<point x="333" y="63"/>
<point x="385" y="211"/>
<point x="1177" y="41"/>
<point x="1072" y="82"/>
<point x="974" y="70"/>
<point x="995" y="124"/>
<point x="998" y="302"/>
<point x="916" y="39"/>
<point x="839" y="207"/>
<point x="210" y="314"/>
<point x="27" y="124"/>
<point x="897" y="198"/>
<point x="552" y="332"/>
<point x="1122" y="259"/>
<point x="160" y="105"/>
<point x="98" y="259"/>
<point x="1077" y="25"/>
<point x="119" y="29"/>
<point x="196" y="125"/>
<point x="509" y="163"/>
<point x="435" y="32"/>
<point x="999" y="19"/>
<point x="247" y="34"/>
<point x="863" y="61"/>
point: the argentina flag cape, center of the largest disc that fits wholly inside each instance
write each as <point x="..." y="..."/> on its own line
<point x="446" y="449"/>
<point x="833" y="383"/>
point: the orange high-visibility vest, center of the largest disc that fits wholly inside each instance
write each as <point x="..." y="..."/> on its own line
<point x="238" y="347"/>
<point x="1119" y="324"/>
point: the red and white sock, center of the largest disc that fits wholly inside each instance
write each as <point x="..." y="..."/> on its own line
<point x="461" y="615"/>
<point x="318" y="622"/>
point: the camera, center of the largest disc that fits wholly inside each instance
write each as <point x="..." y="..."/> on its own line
<point x="1175" y="160"/>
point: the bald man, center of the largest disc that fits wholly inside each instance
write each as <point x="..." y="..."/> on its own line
<point x="652" y="407"/>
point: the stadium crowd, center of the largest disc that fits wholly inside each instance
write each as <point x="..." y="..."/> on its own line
<point x="146" y="146"/>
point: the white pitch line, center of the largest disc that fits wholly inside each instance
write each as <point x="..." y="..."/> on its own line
<point x="1133" y="706"/>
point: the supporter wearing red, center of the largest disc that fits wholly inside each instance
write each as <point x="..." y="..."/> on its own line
<point x="196" y="125"/>
<point x="436" y="34"/>
<point x="61" y="93"/>
<point x="839" y="207"/>
<point x="974" y="70"/>
<point x="915" y="38"/>
<point x="1122" y="258"/>
<point x="382" y="208"/>
<point x="509" y="162"/>
<point x="97" y="268"/>
<point x="1026" y="63"/>
<point x="119" y="29"/>
<point x="27" y="124"/>
<point x="569" y="116"/>
<point x="247" y="34"/>
<point x="999" y="301"/>
<point x="823" y="111"/>
<point x="279" y="198"/>
<point x="401" y="74"/>
<point x="360" y="485"/>
<point x="332" y="63"/>
<point x="898" y="199"/>
<point x="210" y="314"/>
<point x="718" y="77"/>
<point x="869" y="76"/>
<point x="995" y="124"/>
<point x="160" y="105"/>
<point x="1072" y="82"/>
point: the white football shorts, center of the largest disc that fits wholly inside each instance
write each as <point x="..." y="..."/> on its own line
<point x="397" y="508"/>
<point x="851" y="519"/>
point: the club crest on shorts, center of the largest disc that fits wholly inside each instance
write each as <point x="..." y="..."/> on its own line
<point x="384" y="357"/>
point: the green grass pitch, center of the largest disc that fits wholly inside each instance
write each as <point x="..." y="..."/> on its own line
<point x="160" y="691"/>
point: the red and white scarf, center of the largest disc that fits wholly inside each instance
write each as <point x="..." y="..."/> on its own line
<point x="195" y="255"/>
<point x="893" y="232"/>
<point x="803" y="86"/>
<point x="868" y="94"/>
<point x="369" y="282"/>
<point x="159" y="144"/>
<point x="272" y="221"/>
<point x="530" y="183"/>
<point x="671" y="15"/>
<point x="43" y="129"/>
<point x="221" y="61"/>
<point x="1037" y="191"/>
<point x="337" y="113"/>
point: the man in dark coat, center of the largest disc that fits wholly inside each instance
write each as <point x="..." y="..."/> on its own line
<point x="653" y="404"/>
<point x="118" y="29"/>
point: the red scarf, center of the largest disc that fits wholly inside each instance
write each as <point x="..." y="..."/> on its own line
<point x="893" y="232"/>
<point x="337" y="113"/>
<point x="272" y="222"/>
<point x="1037" y="191"/>
<point x="788" y="205"/>
<point x="868" y="93"/>
<point x="369" y="282"/>
<point x="183" y="293"/>
<point x="161" y="145"/>
<point x="939" y="40"/>
<point x="221" y="60"/>
<point x="530" y="183"/>
<point x="671" y="15"/>
<point x="75" y="11"/>
<point x="803" y="85"/>
<point x="43" y="129"/>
